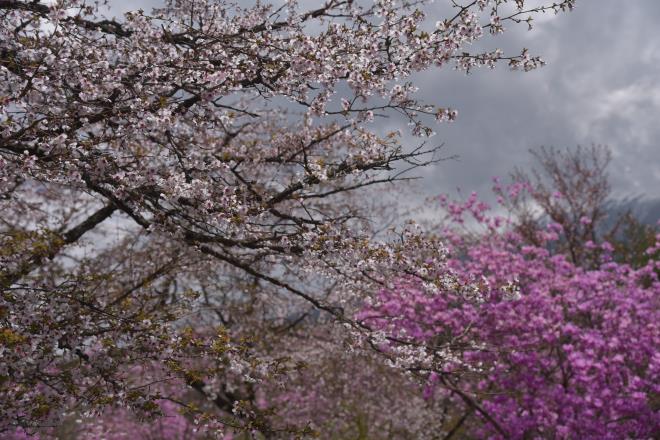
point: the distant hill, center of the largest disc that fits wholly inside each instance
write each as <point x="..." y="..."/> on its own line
<point x="645" y="210"/>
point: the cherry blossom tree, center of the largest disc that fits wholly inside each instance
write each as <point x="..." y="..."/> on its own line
<point x="178" y="185"/>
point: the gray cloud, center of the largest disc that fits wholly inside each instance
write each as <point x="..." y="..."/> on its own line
<point x="601" y="85"/>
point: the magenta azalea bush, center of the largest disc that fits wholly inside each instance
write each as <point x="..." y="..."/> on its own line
<point x="545" y="349"/>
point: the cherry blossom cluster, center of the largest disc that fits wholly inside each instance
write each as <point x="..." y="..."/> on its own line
<point x="176" y="184"/>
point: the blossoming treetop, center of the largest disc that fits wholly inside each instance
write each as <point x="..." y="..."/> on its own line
<point x="227" y="144"/>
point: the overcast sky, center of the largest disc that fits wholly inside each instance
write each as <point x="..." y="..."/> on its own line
<point x="601" y="85"/>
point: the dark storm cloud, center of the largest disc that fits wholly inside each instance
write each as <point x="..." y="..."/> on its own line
<point x="601" y="85"/>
